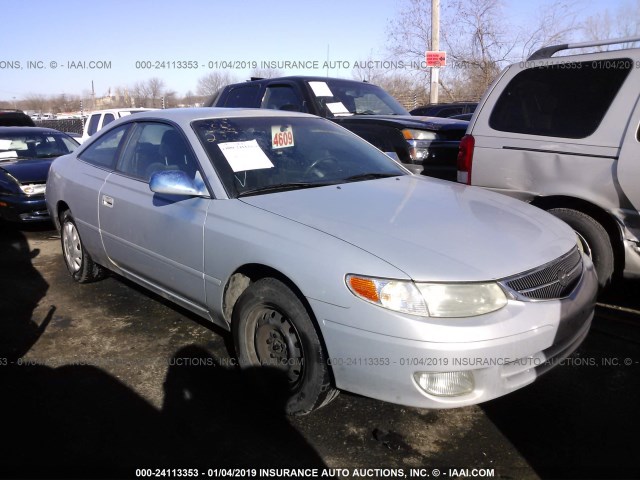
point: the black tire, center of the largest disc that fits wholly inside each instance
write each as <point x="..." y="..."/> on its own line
<point x="271" y="327"/>
<point x="595" y="241"/>
<point x="78" y="261"/>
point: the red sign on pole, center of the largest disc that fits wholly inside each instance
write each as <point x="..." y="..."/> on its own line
<point x="435" y="58"/>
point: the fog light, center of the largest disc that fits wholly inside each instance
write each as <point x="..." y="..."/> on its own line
<point x="445" y="384"/>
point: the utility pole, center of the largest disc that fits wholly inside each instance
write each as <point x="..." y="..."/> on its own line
<point x="435" y="46"/>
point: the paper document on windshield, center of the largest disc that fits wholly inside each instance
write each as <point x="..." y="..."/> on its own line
<point x="338" y="108"/>
<point x="321" y="89"/>
<point x="243" y="156"/>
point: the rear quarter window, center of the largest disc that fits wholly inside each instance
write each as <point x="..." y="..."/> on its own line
<point x="242" y="97"/>
<point x="103" y="152"/>
<point x="565" y="100"/>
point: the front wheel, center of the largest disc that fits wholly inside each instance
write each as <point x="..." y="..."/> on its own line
<point x="594" y="239"/>
<point x="79" y="263"/>
<point x="272" y="328"/>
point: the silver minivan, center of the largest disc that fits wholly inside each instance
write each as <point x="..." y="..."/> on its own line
<point x="562" y="133"/>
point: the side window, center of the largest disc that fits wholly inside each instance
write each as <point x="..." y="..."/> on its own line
<point x="108" y="118"/>
<point x="242" y="97"/>
<point x="447" y="112"/>
<point x="154" y="147"/>
<point x="93" y="124"/>
<point x="565" y="100"/>
<point x="364" y="103"/>
<point x="69" y="144"/>
<point x="103" y="152"/>
<point x="282" y="97"/>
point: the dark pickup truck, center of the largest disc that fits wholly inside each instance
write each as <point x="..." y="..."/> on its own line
<point x="425" y="145"/>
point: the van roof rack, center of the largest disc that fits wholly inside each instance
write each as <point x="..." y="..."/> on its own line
<point x="547" y="52"/>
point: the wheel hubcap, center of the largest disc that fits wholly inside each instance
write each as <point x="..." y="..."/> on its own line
<point x="278" y="345"/>
<point x="72" y="246"/>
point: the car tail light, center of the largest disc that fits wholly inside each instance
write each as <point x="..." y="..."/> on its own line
<point x="465" y="159"/>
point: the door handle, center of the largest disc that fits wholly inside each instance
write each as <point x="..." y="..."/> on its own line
<point x="107" y="201"/>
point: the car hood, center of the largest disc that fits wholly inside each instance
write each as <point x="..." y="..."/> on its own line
<point x="435" y="124"/>
<point x="28" y="170"/>
<point x="430" y="229"/>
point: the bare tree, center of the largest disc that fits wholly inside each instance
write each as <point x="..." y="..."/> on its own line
<point x="478" y="37"/>
<point x="140" y="94"/>
<point x="555" y="24"/>
<point x="64" y="103"/>
<point x="214" y="81"/>
<point x="155" y="87"/>
<point x="149" y="93"/>
<point x="36" y="102"/>
<point x="368" y="71"/>
<point x="409" y="33"/>
<point x="480" y="44"/>
<point x="624" y="22"/>
<point x="266" y="73"/>
<point x="405" y="88"/>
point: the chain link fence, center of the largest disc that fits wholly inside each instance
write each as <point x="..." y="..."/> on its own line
<point x="411" y="100"/>
<point x="72" y="125"/>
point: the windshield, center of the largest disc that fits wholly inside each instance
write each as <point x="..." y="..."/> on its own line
<point x="34" y="145"/>
<point x="267" y="154"/>
<point x="337" y="97"/>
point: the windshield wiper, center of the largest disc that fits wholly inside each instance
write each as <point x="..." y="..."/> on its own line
<point x="282" y="187"/>
<point x="370" y="176"/>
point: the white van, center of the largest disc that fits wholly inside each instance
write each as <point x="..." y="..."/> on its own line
<point x="101" y="118"/>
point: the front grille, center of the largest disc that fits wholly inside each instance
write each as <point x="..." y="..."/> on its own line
<point x="553" y="280"/>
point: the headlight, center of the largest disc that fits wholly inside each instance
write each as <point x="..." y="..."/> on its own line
<point x="429" y="299"/>
<point x="419" y="141"/>
<point x="412" y="134"/>
<point x="462" y="299"/>
<point x="33" y="188"/>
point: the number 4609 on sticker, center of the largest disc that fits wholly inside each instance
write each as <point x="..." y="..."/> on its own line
<point x="281" y="136"/>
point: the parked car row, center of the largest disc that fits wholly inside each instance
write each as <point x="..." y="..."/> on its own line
<point x="328" y="260"/>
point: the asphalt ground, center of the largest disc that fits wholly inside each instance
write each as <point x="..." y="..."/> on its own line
<point x="107" y="380"/>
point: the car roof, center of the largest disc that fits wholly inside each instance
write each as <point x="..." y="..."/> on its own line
<point x="302" y="77"/>
<point x="187" y="115"/>
<point x="123" y="109"/>
<point x="29" y="130"/>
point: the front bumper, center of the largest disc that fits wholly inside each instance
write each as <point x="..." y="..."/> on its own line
<point x="383" y="366"/>
<point x="23" y="208"/>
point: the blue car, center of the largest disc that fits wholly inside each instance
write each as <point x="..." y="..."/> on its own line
<point x="26" y="154"/>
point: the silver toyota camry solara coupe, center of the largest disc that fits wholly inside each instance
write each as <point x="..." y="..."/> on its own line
<point x="324" y="257"/>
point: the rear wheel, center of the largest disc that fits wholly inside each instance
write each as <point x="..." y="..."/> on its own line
<point x="79" y="263"/>
<point x="272" y="328"/>
<point x="595" y="241"/>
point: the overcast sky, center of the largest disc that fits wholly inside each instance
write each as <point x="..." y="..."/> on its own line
<point x="50" y="48"/>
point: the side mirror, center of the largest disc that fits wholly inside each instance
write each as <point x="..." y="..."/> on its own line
<point x="176" y="182"/>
